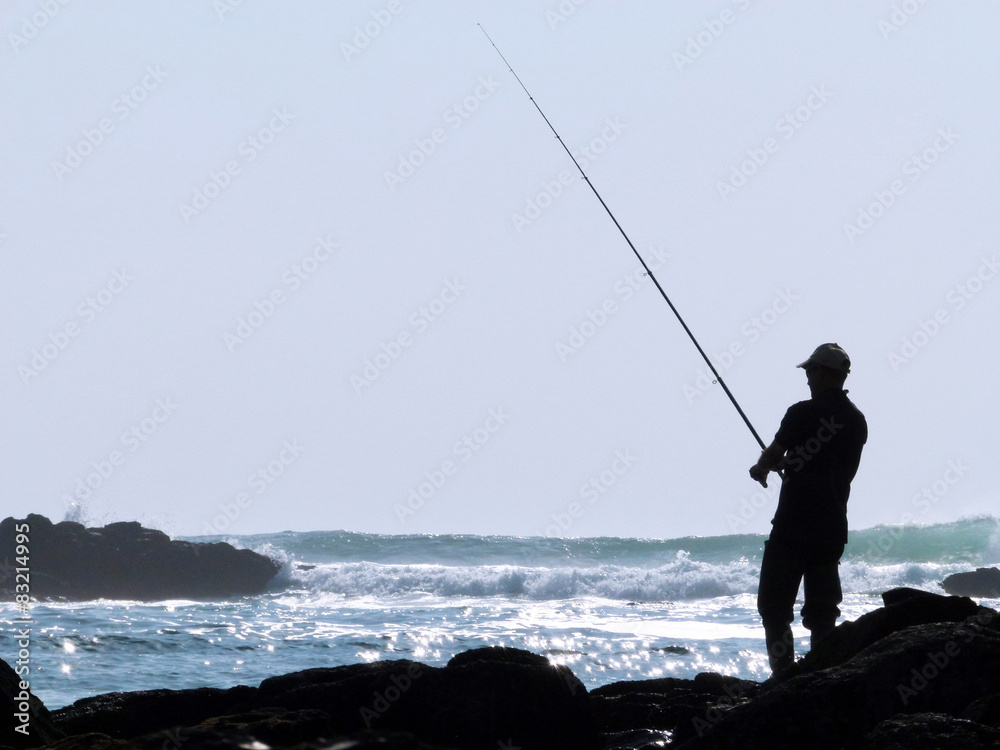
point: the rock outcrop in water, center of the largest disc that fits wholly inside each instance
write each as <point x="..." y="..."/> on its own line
<point x="125" y="561"/>
<point x="921" y="672"/>
<point x="981" y="582"/>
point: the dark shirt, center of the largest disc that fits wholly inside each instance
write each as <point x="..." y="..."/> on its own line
<point x="823" y="438"/>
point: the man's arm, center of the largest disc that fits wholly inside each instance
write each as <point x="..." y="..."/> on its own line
<point x="770" y="460"/>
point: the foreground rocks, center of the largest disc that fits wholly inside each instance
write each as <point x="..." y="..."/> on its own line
<point x="25" y="722"/>
<point x="921" y="672"/>
<point x="125" y="561"/>
<point x="922" y="654"/>
<point x="485" y="698"/>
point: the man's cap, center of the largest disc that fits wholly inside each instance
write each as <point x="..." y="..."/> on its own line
<point x="829" y="355"/>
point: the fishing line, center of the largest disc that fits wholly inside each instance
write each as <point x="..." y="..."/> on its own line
<point x="649" y="272"/>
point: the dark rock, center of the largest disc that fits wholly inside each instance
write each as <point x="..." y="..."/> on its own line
<point x="930" y="731"/>
<point x="904" y="593"/>
<point x="636" y="739"/>
<point x="904" y="608"/>
<point x="934" y="668"/>
<point x="668" y="703"/>
<point x="480" y="699"/>
<point x="500" y="654"/>
<point x="982" y="582"/>
<point x="40" y="730"/>
<point x="228" y="734"/>
<point x="127" y="715"/>
<point x="984" y="711"/>
<point x="721" y="685"/>
<point x="508" y="701"/>
<point x="355" y="696"/>
<point x="276" y="727"/>
<point x="93" y="742"/>
<point x="126" y="561"/>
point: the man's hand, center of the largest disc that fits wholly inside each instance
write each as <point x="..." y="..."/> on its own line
<point x="770" y="460"/>
<point x="758" y="474"/>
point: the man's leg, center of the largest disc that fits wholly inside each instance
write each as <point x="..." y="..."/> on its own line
<point x="822" y="595"/>
<point x="780" y="575"/>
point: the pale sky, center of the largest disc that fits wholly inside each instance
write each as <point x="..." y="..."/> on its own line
<point x="322" y="265"/>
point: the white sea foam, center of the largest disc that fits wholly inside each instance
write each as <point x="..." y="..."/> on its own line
<point x="613" y="609"/>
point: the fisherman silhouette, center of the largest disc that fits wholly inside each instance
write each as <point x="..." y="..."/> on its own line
<point x="817" y="449"/>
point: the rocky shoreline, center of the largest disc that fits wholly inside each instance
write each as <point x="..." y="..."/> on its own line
<point x="921" y="672"/>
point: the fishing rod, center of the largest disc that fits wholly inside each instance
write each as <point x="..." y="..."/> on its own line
<point x="649" y="271"/>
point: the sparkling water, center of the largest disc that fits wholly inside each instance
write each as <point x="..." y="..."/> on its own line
<point x="610" y="608"/>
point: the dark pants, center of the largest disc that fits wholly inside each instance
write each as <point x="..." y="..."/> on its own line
<point x="781" y="570"/>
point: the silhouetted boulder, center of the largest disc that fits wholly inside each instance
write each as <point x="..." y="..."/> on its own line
<point x="668" y="703"/>
<point x="479" y="699"/>
<point x="26" y="722"/>
<point x="243" y="732"/>
<point x="984" y="711"/>
<point x="930" y="731"/>
<point x="934" y="668"/>
<point x="904" y="608"/>
<point x="131" y="714"/>
<point x="483" y="698"/>
<point x="982" y="582"/>
<point x="126" y="561"/>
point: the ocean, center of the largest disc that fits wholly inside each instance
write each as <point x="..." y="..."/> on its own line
<point x="610" y="608"/>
